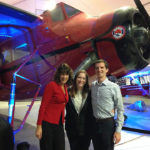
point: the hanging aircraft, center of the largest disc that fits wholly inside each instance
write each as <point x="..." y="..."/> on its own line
<point x="31" y="47"/>
<point x="68" y="35"/>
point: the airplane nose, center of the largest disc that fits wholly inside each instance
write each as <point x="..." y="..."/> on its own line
<point x="134" y="48"/>
<point x="141" y="35"/>
<point x="142" y="39"/>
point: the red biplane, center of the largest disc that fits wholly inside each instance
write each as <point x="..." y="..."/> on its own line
<point x="31" y="47"/>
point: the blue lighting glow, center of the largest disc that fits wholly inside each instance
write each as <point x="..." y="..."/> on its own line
<point x="22" y="45"/>
<point x="11" y="102"/>
<point x="126" y="96"/>
<point x="5" y="35"/>
<point x="27" y="79"/>
<point x="14" y="22"/>
<point x="139" y="79"/>
<point x="138" y="74"/>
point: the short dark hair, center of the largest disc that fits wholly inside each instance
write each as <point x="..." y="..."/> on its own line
<point x="6" y="135"/>
<point x="64" y="69"/>
<point x="102" y="61"/>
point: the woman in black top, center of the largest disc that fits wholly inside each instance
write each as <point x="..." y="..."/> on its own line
<point x="79" y="113"/>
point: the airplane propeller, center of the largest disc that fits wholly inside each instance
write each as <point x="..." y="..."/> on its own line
<point x="142" y="35"/>
<point x="142" y="38"/>
<point x="143" y="12"/>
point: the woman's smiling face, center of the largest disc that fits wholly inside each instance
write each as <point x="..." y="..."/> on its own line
<point x="81" y="80"/>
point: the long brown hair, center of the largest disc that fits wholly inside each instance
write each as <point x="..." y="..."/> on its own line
<point x="74" y="89"/>
<point x="64" y="69"/>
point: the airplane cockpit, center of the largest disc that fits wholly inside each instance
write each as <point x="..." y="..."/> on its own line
<point x="17" y="53"/>
<point x="62" y="12"/>
<point x="70" y="11"/>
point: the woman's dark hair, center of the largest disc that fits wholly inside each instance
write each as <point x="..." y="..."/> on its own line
<point x="6" y="135"/>
<point x="64" y="69"/>
<point x="74" y="89"/>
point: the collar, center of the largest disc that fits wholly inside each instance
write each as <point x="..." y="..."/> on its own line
<point x="105" y="82"/>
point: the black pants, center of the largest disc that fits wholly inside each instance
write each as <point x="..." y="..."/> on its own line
<point x="52" y="137"/>
<point x="79" y="142"/>
<point x="103" y="134"/>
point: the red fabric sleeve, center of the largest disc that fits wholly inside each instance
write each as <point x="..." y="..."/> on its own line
<point x="48" y="92"/>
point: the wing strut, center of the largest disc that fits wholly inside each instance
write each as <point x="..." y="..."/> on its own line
<point x="12" y="95"/>
<point x="87" y="62"/>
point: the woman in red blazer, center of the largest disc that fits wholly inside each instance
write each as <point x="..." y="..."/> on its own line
<point x="50" y="121"/>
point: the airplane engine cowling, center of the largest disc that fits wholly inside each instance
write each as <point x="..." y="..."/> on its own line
<point x="134" y="48"/>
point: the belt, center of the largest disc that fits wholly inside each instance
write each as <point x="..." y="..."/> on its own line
<point x="103" y="119"/>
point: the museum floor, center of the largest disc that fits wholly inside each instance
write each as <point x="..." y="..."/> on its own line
<point x="130" y="140"/>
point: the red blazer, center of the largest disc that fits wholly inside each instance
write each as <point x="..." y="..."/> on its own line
<point x="53" y="104"/>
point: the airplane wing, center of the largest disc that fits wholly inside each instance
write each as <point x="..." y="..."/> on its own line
<point x="14" y="21"/>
